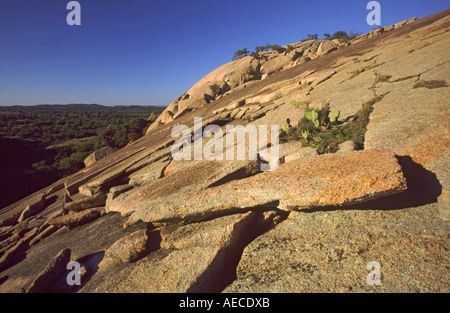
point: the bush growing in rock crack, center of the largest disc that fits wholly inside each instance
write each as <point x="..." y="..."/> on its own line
<point x="216" y="90"/>
<point x="321" y="129"/>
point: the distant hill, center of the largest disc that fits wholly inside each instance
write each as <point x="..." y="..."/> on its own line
<point x="72" y="105"/>
<point x="81" y="106"/>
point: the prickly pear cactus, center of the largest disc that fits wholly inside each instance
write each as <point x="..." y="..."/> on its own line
<point x="306" y="134"/>
<point x="335" y="115"/>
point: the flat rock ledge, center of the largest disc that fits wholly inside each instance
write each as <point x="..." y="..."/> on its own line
<point x="323" y="181"/>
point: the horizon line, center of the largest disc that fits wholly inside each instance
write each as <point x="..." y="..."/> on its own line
<point x="86" y="104"/>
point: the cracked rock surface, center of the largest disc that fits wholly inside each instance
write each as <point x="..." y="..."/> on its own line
<point x="137" y="220"/>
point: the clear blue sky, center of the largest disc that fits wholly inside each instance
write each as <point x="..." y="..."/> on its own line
<point x="148" y="52"/>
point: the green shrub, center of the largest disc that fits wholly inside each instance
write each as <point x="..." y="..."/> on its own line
<point x="255" y="55"/>
<point x="277" y="48"/>
<point x="262" y="48"/>
<point x="225" y="88"/>
<point x="312" y="37"/>
<point x="218" y="90"/>
<point x="381" y="78"/>
<point x="339" y="34"/>
<point x="344" y="36"/>
<point x="251" y="71"/>
<point x="41" y="166"/>
<point x="287" y="128"/>
<point x="267" y="47"/>
<point x="355" y="73"/>
<point x="240" y="53"/>
<point x="320" y="128"/>
<point x="215" y="89"/>
<point x="74" y="161"/>
<point x="430" y="84"/>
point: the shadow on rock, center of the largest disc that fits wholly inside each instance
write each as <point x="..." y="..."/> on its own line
<point x="3" y="279"/>
<point x="90" y="263"/>
<point x="51" y="200"/>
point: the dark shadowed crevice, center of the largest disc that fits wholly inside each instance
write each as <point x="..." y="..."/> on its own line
<point x="251" y="169"/>
<point x="91" y="262"/>
<point x="161" y="175"/>
<point x="224" y="274"/>
<point x="3" y="279"/>
<point x="269" y="206"/>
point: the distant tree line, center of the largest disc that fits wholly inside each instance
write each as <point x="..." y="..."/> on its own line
<point x="337" y="35"/>
<point x="244" y="52"/>
<point x="258" y="49"/>
<point x="41" y="144"/>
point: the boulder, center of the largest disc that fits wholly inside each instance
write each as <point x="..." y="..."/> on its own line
<point x="275" y="64"/>
<point x="235" y="105"/>
<point x="10" y="220"/>
<point x="43" y="234"/>
<point x="325" y="46"/>
<point x="54" y="189"/>
<point x="234" y="113"/>
<point x="323" y="181"/>
<point x="51" y="274"/>
<point x="27" y="225"/>
<point x="406" y="22"/>
<point x="165" y="117"/>
<point x="84" y="203"/>
<point x="337" y="42"/>
<point x="241" y="113"/>
<point x="181" y="113"/>
<point x="149" y="174"/>
<point x="129" y="248"/>
<point x="389" y="28"/>
<point x="33" y="209"/>
<point x="77" y="219"/>
<point x="98" y="155"/>
<point x="12" y="252"/>
<point x="301" y="60"/>
<point x="114" y="192"/>
<point x="345" y="147"/>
